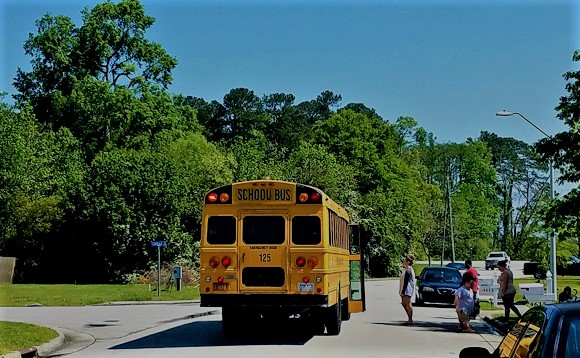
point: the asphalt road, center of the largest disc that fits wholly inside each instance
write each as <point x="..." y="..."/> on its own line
<point x="165" y="329"/>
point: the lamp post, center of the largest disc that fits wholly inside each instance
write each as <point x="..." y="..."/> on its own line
<point x="554" y="287"/>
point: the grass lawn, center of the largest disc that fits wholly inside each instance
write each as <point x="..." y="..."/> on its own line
<point x="82" y="295"/>
<point x="15" y="336"/>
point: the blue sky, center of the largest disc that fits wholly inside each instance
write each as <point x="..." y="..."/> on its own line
<point x="449" y="64"/>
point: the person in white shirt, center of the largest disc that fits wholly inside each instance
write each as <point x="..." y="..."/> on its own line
<point x="464" y="304"/>
<point x="407" y="287"/>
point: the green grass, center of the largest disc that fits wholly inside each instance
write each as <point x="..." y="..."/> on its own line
<point x="82" y="295"/>
<point x="15" y="336"/>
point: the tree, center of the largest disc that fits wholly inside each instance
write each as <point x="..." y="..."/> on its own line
<point x="466" y="178"/>
<point x="150" y="194"/>
<point x="288" y="125"/>
<point x="564" y="149"/>
<point x="110" y="46"/>
<point x="244" y="113"/>
<point x="42" y="175"/>
<point x="321" y="108"/>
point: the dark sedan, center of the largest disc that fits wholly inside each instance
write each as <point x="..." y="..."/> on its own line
<point x="437" y="284"/>
<point x="543" y="331"/>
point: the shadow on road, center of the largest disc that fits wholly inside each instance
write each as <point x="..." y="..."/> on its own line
<point x="425" y="325"/>
<point x="209" y="334"/>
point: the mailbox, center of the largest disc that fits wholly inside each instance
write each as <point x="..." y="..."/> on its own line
<point x="177" y="273"/>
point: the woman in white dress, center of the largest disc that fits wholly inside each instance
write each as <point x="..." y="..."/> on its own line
<point x="407" y="287"/>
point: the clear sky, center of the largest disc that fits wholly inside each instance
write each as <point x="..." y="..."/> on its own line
<point x="449" y="64"/>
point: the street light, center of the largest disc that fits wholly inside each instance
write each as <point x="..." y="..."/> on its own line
<point x="505" y="113"/>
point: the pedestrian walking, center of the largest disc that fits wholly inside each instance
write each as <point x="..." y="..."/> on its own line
<point x="464" y="304"/>
<point x="507" y="289"/>
<point x="407" y="287"/>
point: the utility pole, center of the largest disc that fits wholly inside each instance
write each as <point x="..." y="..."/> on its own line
<point x="450" y="218"/>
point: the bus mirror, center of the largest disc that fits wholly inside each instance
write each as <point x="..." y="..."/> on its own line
<point x="354" y="236"/>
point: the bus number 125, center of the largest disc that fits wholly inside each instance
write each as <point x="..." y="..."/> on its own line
<point x="265" y="257"/>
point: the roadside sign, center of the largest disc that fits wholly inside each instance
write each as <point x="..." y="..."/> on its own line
<point x="159" y="243"/>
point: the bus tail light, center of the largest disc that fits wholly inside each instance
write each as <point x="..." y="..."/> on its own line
<point x="226" y="261"/>
<point x="312" y="261"/>
<point x="221" y="195"/>
<point x="214" y="261"/>
<point x="303" y="197"/>
<point x="212" y="197"/>
<point x="315" y="197"/>
<point x="300" y="261"/>
<point x="318" y="290"/>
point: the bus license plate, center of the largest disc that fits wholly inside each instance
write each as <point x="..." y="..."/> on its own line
<point x="306" y="287"/>
<point x="220" y="286"/>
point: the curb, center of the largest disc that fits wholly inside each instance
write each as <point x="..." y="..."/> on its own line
<point x="52" y="345"/>
<point x="137" y="303"/>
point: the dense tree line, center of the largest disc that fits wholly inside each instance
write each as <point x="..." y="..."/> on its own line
<point x="98" y="159"/>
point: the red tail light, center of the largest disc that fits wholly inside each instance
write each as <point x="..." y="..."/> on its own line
<point x="306" y="279"/>
<point x="315" y="197"/>
<point x="214" y="261"/>
<point x="300" y="261"/>
<point x="226" y="261"/>
<point x="212" y="197"/>
<point x="220" y="279"/>
<point x="312" y="261"/>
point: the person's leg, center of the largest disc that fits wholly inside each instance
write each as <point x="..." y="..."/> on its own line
<point x="460" y="326"/>
<point x="408" y="308"/>
<point x="513" y="306"/>
<point x="464" y="319"/>
<point x="506" y="307"/>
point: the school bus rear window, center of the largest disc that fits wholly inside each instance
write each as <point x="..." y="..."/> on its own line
<point x="306" y="230"/>
<point x="260" y="230"/>
<point x="221" y="230"/>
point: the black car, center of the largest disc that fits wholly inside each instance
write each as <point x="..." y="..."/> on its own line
<point x="437" y="284"/>
<point x="457" y="265"/>
<point x="543" y="331"/>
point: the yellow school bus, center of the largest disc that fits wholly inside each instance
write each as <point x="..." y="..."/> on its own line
<point x="279" y="250"/>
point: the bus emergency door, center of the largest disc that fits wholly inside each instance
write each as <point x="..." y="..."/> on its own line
<point x="263" y="251"/>
<point x="356" y="302"/>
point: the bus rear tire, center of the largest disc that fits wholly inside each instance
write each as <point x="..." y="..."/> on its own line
<point x="333" y="318"/>
<point x="316" y="322"/>
<point x="231" y="319"/>
<point x="345" y="316"/>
